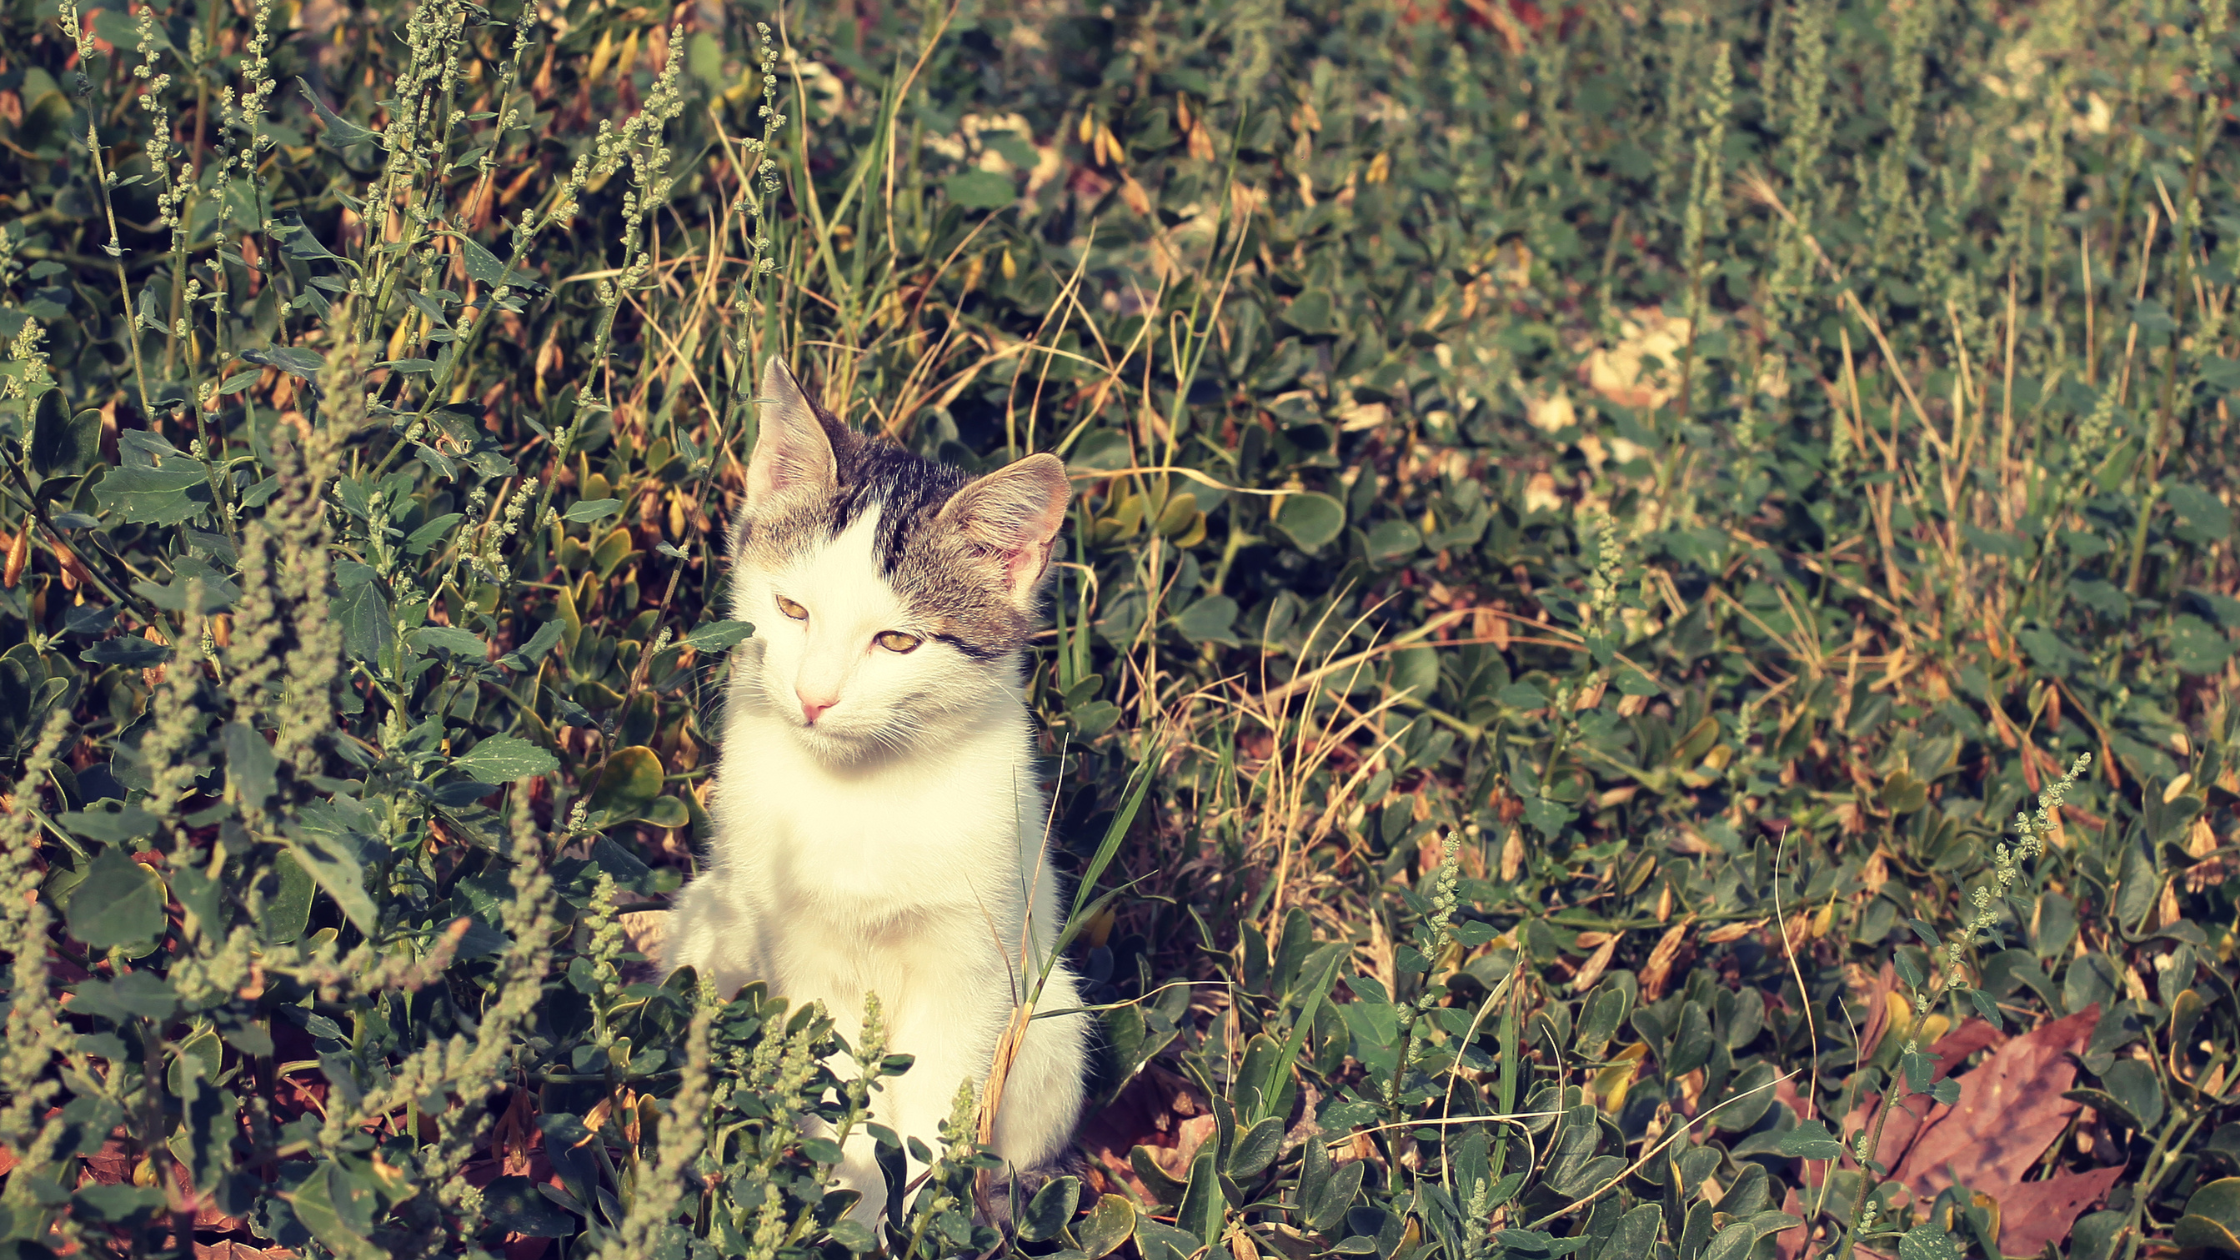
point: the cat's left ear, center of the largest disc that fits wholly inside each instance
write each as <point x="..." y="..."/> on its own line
<point x="795" y="445"/>
<point x="1014" y="514"/>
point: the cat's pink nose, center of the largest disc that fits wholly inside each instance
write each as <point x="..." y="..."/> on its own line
<point x="813" y="707"/>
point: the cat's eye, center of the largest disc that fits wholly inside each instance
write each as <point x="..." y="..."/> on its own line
<point x="897" y="642"/>
<point x="791" y="609"/>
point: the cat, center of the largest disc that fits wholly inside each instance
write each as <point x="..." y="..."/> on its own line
<point x="879" y="827"/>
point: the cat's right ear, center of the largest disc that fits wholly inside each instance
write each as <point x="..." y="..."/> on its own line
<point x="792" y="450"/>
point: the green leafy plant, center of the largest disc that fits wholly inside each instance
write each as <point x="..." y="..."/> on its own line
<point x="1588" y="521"/>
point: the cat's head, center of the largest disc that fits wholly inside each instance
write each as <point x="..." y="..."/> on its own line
<point x="890" y="593"/>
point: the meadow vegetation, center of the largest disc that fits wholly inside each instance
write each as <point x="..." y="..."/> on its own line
<point x="1644" y="665"/>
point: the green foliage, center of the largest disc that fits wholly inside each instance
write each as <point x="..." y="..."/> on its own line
<point x="1590" y="525"/>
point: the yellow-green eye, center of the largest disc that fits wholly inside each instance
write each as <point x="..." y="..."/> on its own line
<point x="897" y="642"/>
<point x="791" y="609"/>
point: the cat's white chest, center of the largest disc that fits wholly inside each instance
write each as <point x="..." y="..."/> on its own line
<point x="869" y="845"/>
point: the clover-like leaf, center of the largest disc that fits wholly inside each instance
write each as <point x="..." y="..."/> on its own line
<point x="1810" y="1140"/>
<point x="627" y="783"/>
<point x="62" y="442"/>
<point x="1310" y="520"/>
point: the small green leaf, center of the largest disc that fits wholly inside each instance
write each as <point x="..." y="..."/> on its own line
<point x="1927" y="1242"/>
<point x="2212" y="1217"/>
<point x="1810" y="1140"/>
<point x="1903" y="794"/>
<point x="627" y="783"/>
<point x="336" y="870"/>
<point x="452" y="641"/>
<point x="1158" y="1241"/>
<point x="1052" y="1207"/>
<point x="584" y="510"/>
<point x="154" y="496"/>
<point x="1916" y="1067"/>
<point x="60" y="442"/>
<point x="1632" y="682"/>
<point x="1312" y="313"/>
<point x="2196" y="646"/>
<point x="288" y="893"/>
<point x="1323" y="1211"/>
<point x="1986" y="1008"/>
<point x="1731" y="1243"/>
<point x="110" y="822"/>
<point x="486" y="269"/>
<point x="1256" y="1148"/>
<point x="2133" y="1083"/>
<point x="251" y="769"/>
<point x="201" y="897"/>
<point x="368" y="628"/>
<point x="431" y="533"/>
<point x="1391" y="542"/>
<point x="341" y="132"/>
<point x="665" y="811"/>
<point x="1310" y="520"/>
<point x="1202" y="1209"/>
<point x="338" y="1210"/>
<point x="1523" y="695"/>
<point x="528" y="654"/>
<point x="2203" y="516"/>
<point x="718" y="636"/>
<point x="1110" y="1223"/>
<point x="514" y="1204"/>
<point x="137" y="993"/>
<point x="1209" y="620"/>
<point x="980" y="190"/>
<point x="120" y="1202"/>
<point x="119" y="903"/>
<point x="218" y="591"/>
<point x="2221" y="373"/>
<point x="1094" y="718"/>
<point x="294" y="360"/>
<point x="507" y="759"/>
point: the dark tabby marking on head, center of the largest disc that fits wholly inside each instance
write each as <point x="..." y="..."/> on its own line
<point x="905" y="490"/>
<point x="952" y="582"/>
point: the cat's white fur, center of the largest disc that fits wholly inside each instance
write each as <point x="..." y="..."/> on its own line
<point x="894" y="846"/>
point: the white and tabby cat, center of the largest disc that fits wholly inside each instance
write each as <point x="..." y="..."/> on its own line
<point x="879" y="827"/>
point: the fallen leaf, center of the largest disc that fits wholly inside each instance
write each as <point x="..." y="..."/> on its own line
<point x="2009" y="1112"/>
<point x="1658" y="968"/>
<point x="1596" y="963"/>
<point x="1954" y="1047"/>
<point x="2037" y="1213"/>
<point x="1875" y="993"/>
<point x="1152" y="1111"/>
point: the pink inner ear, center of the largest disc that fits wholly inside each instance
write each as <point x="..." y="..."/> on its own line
<point x="1015" y="514"/>
<point x="785" y="466"/>
<point x="1022" y="565"/>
